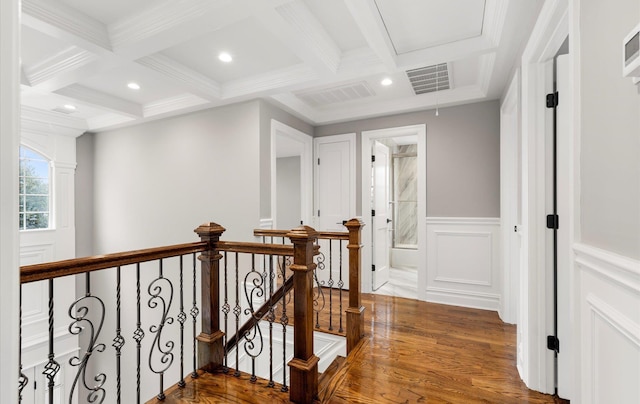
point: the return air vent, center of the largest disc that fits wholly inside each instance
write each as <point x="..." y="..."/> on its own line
<point x="332" y="95"/>
<point x="429" y="79"/>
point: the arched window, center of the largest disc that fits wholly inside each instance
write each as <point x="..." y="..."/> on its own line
<point x="35" y="190"/>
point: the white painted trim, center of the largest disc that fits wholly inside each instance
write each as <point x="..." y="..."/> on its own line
<point x="169" y="105"/>
<point x="266" y="224"/>
<point x="351" y="139"/>
<point x="101" y="100"/>
<point x="462" y="298"/>
<point x="495" y="221"/>
<point x="306" y="171"/>
<point x="550" y="31"/>
<point x="9" y="238"/>
<point x="618" y="269"/>
<point x="367" y="138"/>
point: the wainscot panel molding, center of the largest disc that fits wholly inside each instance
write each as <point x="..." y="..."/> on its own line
<point x="607" y="326"/>
<point x="266" y="224"/>
<point x="463" y="261"/>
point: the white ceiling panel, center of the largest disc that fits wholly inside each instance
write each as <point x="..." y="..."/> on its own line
<point x="51" y="102"/>
<point x="416" y="24"/>
<point x="114" y="82"/>
<point x="37" y="47"/>
<point x="110" y="11"/>
<point x="464" y="72"/>
<point x="254" y="50"/>
<point x="338" y="22"/>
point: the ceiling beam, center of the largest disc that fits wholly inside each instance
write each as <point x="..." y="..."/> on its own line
<point x="102" y="100"/>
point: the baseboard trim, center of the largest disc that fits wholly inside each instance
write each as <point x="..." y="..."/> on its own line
<point x="476" y="300"/>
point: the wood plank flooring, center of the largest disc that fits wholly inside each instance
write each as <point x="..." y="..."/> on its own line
<point x="413" y="352"/>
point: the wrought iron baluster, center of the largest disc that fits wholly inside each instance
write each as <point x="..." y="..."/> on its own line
<point x="194" y="315"/>
<point x="118" y="341"/>
<point x="340" y="287"/>
<point x="237" y="310"/>
<point x="284" y="320"/>
<point x="79" y="311"/>
<point x="182" y="317"/>
<point x="318" y="296"/>
<point x="254" y="343"/>
<point x="138" y="334"/>
<point x="52" y="367"/>
<point x="23" y="380"/>
<point x="164" y="351"/>
<point x="271" y="318"/>
<point x="226" y="308"/>
<point x="330" y="283"/>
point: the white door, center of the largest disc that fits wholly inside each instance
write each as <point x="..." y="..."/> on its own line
<point x="335" y="200"/>
<point x="381" y="220"/>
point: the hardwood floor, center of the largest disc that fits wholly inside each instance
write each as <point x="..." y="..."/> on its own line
<point x="413" y="352"/>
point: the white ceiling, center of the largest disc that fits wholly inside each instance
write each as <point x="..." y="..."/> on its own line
<point x="322" y="60"/>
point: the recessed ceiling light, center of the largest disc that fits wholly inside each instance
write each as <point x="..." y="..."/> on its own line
<point x="70" y="107"/>
<point x="386" y="81"/>
<point x="134" y="86"/>
<point x="225" y="57"/>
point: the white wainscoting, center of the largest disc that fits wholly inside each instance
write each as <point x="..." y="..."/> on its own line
<point x="607" y="326"/>
<point x="463" y="261"/>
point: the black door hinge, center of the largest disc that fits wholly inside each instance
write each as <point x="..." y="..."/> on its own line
<point x="373" y="268"/>
<point x="318" y="212"/>
<point x="552" y="222"/>
<point x="318" y="160"/>
<point x="373" y="212"/>
<point x="373" y="159"/>
<point x="552" y="100"/>
<point x="553" y="343"/>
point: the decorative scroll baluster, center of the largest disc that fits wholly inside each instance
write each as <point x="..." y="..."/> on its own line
<point x="284" y="320"/>
<point x="194" y="315"/>
<point x="226" y="308"/>
<point x="79" y="311"/>
<point x="158" y="348"/>
<point x="271" y="316"/>
<point x="118" y="341"/>
<point x="254" y="343"/>
<point x="23" y="380"/>
<point x="318" y="295"/>
<point x="330" y="283"/>
<point x="138" y="334"/>
<point x="340" y="287"/>
<point x="182" y="317"/>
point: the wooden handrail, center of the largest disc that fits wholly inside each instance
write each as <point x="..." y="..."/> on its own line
<point x="324" y="235"/>
<point x="256" y="248"/>
<point x="51" y="270"/>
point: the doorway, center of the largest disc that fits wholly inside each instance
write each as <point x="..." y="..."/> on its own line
<point x="291" y="176"/>
<point x="394" y="208"/>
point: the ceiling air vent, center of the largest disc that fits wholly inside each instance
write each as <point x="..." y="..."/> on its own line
<point x="332" y="95"/>
<point x="429" y="79"/>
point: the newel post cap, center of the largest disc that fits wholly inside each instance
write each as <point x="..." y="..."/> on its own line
<point x="210" y="229"/>
<point x="354" y="224"/>
<point x="303" y="233"/>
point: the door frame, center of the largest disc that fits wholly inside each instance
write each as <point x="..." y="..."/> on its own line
<point x="367" y="138"/>
<point x="350" y="138"/>
<point x="549" y="33"/>
<point x="306" y="172"/>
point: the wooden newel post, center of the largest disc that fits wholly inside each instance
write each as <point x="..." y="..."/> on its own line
<point x="304" y="365"/>
<point x="210" y="340"/>
<point x="355" y="312"/>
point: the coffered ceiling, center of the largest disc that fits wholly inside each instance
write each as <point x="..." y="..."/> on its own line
<point x="322" y="60"/>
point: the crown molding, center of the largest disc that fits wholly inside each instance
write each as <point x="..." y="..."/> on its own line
<point x="196" y="82"/>
<point x="495" y="14"/>
<point x="101" y="100"/>
<point x="38" y="121"/>
<point x="485" y="71"/>
<point x="312" y="35"/>
<point x="279" y="79"/>
<point x="69" y="59"/>
<point x="107" y="120"/>
<point x="172" y="104"/>
<point x="359" y="61"/>
<point x="64" y="22"/>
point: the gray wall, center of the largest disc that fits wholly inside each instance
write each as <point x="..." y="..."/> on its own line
<point x="267" y="113"/>
<point x="84" y="195"/>
<point x="610" y="130"/>
<point x="156" y="182"/>
<point x="463" y="156"/>
<point x="288" y="192"/>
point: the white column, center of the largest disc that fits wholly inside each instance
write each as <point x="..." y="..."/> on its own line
<point x="9" y="238"/>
